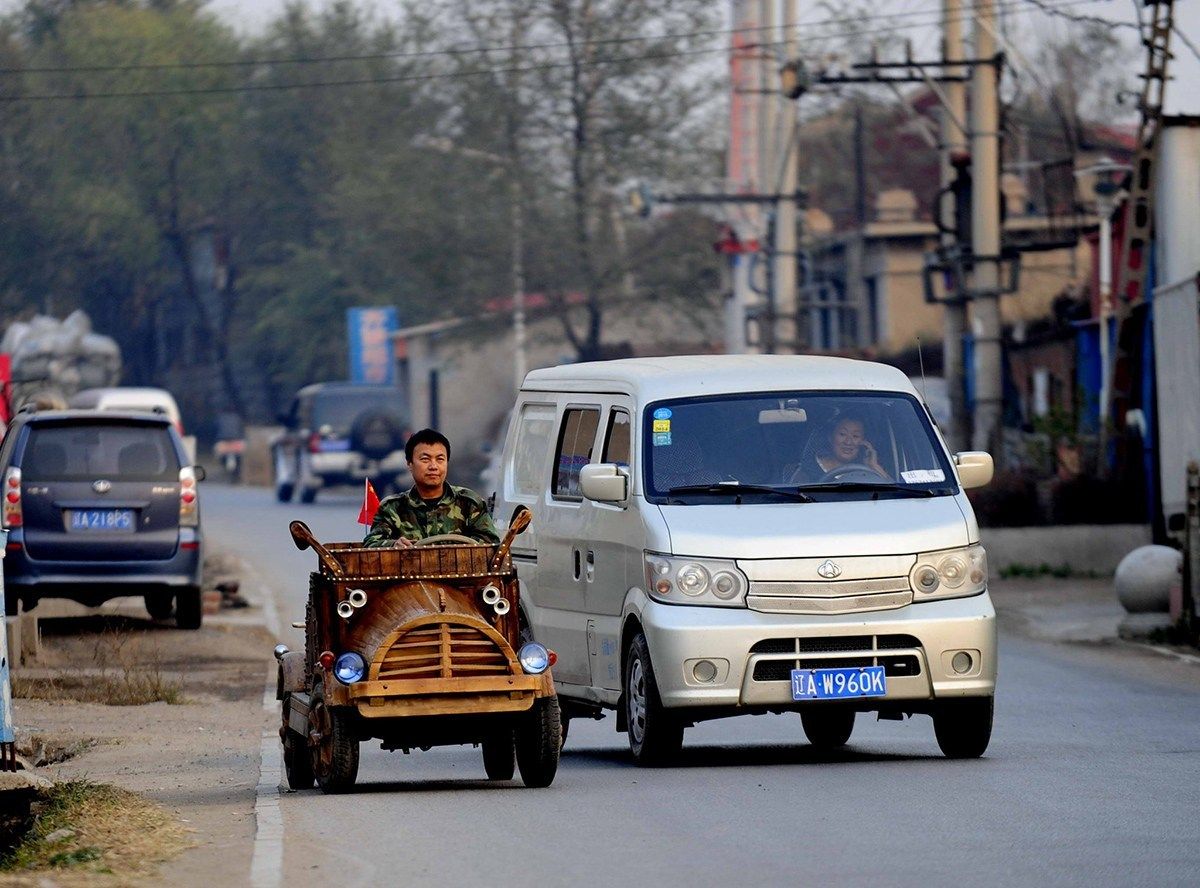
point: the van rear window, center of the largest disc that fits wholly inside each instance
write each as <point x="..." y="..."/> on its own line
<point x="93" y="451"/>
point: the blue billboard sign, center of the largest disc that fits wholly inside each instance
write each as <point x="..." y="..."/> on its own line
<point x="372" y="355"/>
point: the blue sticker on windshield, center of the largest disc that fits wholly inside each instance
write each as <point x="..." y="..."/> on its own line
<point x="661" y="438"/>
<point x="663" y="413"/>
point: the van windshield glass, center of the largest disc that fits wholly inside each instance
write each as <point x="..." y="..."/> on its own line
<point x="90" y="452"/>
<point x="830" y="445"/>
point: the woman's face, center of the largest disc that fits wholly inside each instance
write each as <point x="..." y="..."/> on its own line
<point x="847" y="437"/>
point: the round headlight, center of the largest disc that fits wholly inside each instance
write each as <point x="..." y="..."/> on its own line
<point x="534" y="657"/>
<point x="693" y="579"/>
<point x="349" y="668"/>
<point x="926" y="578"/>
<point x="953" y="570"/>
<point x="725" y="585"/>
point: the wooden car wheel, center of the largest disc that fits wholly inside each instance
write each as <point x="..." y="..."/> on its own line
<point x="539" y="740"/>
<point x="297" y="761"/>
<point x="333" y="748"/>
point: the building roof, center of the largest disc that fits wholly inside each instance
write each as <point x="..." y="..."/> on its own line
<point x="698" y="375"/>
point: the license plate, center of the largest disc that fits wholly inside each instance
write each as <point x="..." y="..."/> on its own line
<point x="836" y="684"/>
<point x="100" y="519"/>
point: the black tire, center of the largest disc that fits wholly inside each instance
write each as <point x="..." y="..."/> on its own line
<point x="308" y="495"/>
<point x="964" y="728"/>
<point x="538" y="741"/>
<point x="655" y="734"/>
<point x="283" y="491"/>
<point x="189" y="608"/>
<point x="297" y="760"/>
<point x="828" y="727"/>
<point x="335" y="756"/>
<point x="499" y="755"/>
<point x="566" y="727"/>
<point x="377" y="433"/>
<point x="160" y="606"/>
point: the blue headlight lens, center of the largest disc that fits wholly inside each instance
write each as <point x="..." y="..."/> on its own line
<point x="535" y="659"/>
<point x="349" y="668"/>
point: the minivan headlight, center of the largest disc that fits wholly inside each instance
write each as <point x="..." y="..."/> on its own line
<point x="680" y="580"/>
<point x="951" y="573"/>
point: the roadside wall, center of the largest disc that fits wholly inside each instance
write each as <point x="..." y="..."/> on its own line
<point x="1095" y="548"/>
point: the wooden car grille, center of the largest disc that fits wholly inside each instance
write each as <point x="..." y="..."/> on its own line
<point x="444" y="650"/>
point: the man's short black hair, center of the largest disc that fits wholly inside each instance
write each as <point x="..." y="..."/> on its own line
<point x="425" y="436"/>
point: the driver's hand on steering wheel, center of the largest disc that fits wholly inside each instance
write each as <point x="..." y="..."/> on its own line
<point x="402" y="543"/>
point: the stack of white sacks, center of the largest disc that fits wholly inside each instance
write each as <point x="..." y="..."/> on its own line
<point x="53" y="359"/>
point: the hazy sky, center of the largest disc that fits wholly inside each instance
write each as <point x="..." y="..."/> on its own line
<point x="1183" y="94"/>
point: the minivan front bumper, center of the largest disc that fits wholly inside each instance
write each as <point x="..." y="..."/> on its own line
<point x="753" y="653"/>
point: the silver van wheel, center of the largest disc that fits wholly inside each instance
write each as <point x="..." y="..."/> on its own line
<point x="655" y="733"/>
<point x="637" y="702"/>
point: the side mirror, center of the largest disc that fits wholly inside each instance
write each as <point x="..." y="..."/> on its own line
<point x="604" y="483"/>
<point x="975" y="468"/>
<point x="199" y="472"/>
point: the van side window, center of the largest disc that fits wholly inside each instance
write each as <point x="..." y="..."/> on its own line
<point x="534" y="433"/>
<point x="574" y="449"/>
<point x="616" y="439"/>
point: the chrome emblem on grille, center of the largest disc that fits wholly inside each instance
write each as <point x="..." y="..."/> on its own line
<point x="102" y="486"/>
<point x="829" y="570"/>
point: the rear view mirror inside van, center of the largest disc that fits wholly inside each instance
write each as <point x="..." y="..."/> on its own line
<point x="784" y="414"/>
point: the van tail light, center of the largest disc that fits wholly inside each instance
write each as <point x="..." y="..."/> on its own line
<point x="189" y="506"/>
<point x="314" y="442"/>
<point x="12" y="499"/>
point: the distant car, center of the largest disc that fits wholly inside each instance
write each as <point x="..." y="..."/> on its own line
<point x="129" y="398"/>
<point x="99" y="505"/>
<point x="340" y="433"/>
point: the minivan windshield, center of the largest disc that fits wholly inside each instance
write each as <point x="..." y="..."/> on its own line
<point x="94" y="451"/>
<point x="767" y="447"/>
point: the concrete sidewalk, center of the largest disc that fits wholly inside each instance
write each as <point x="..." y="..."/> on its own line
<point x="1053" y="609"/>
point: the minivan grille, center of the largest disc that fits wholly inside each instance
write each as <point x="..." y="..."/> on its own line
<point x="444" y="650"/>
<point x="781" y="670"/>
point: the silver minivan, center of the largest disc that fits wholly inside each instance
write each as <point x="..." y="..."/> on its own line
<point x="719" y="535"/>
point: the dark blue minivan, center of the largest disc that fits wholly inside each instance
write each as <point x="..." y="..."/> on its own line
<point x="99" y="505"/>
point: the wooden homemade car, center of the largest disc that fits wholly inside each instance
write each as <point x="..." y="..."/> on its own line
<point x="417" y="648"/>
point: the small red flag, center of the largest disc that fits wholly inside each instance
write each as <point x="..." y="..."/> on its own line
<point x="370" y="505"/>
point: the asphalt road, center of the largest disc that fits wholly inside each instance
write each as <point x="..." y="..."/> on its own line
<point x="1092" y="778"/>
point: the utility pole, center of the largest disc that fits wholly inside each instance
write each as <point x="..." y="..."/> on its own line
<point x="953" y="142"/>
<point x="985" y="234"/>
<point x="855" y="294"/>
<point x="768" y="23"/>
<point x="784" y="259"/>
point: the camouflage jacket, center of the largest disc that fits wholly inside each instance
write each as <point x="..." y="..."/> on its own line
<point x="460" y="510"/>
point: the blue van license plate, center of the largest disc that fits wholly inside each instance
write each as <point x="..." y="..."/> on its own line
<point x="100" y="519"/>
<point x="835" y="684"/>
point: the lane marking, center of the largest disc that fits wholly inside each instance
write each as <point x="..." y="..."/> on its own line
<point x="1178" y="655"/>
<point x="266" y="866"/>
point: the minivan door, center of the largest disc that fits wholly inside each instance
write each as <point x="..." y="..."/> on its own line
<point x="94" y="491"/>
<point x="614" y="550"/>
<point x="564" y="539"/>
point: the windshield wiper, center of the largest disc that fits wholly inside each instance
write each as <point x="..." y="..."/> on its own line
<point x="874" y="486"/>
<point x="737" y="489"/>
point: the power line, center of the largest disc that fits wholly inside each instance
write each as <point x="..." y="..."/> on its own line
<point x="1186" y="41"/>
<point x="933" y="14"/>
<point x="432" y="76"/>
<point x="1052" y="9"/>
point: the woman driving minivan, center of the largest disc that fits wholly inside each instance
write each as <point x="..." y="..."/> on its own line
<point x="847" y="446"/>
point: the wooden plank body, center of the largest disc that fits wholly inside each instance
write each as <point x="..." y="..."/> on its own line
<point x="433" y="646"/>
